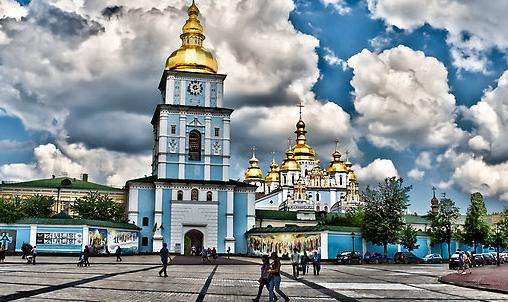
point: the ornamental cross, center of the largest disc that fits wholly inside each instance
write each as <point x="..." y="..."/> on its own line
<point x="300" y="104"/>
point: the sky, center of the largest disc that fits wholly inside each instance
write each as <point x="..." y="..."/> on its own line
<point x="412" y="89"/>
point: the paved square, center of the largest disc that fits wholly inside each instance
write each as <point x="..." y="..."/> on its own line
<point x="136" y="279"/>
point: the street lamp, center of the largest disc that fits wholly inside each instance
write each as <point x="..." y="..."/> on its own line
<point x="353" y="238"/>
<point x="497" y="243"/>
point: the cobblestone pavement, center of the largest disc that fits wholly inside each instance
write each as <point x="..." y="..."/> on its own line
<point x="136" y="279"/>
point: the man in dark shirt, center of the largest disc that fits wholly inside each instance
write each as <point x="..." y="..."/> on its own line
<point x="164" y="253"/>
<point x="118" y="254"/>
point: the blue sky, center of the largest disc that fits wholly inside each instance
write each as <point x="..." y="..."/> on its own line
<point x="338" y="29"/>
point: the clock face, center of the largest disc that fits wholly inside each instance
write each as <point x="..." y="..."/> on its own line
<point x="195" y="88"/>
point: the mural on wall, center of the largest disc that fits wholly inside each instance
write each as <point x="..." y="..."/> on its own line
<point x="283" y="244"/>
<point x="8" y="240"/>
<point x="127" y="240"/>
<point x="97" y="241"/>
<point x="59" y="238"/>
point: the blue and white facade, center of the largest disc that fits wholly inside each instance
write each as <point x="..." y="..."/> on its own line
<point x="189" y="200"/>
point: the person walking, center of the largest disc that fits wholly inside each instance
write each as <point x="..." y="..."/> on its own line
<point x="316" y="262"/>
<point x="204" y="255"/>
<point x="295" y="262"/>
<point x="275" y="279"/>
<point x="2" y="254"/>
<point x="86" y="256"/>
<point x="264" y="280"/>
<point x="229" y="251"/>
<point x="118" y="254"/>
<point x="164" y="253"/>
<point x="304" y="260"/>
<point x="34" y="254"/>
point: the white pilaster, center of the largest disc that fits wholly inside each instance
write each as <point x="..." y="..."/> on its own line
<point x="163" y="144"/>
<point x="86" y="237"/>
<point x="251" y="210"/>
<point x="33" y="234"/>
<point x="324" y="245"/>
<point x="133" y="205"/>
<point x="170" y="91"/>
<point x="207" y="94"/>
<point x="220" y="89"/>
<point x="182" y="147"/>
<point x="157" y="236"/>
<point x="230" y="239"/>
<point x="364" y="246"/>
<point x="225" y="147"/>
<point x="182" y="92"/>
<point x="208" y="143"/>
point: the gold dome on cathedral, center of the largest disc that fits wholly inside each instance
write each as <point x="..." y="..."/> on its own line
<point x="192" y="56"/>
<point x="301" y="150"/>
<point x="337" y="165"/>
<point x="253" y="172"/>
<point x="289" y="163"/>
<point x="273" y="174"/>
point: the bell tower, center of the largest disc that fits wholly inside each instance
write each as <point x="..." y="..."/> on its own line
<point x="191" y="128"/>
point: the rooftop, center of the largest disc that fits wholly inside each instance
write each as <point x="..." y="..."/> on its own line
<point x="304" y="229"/>
<point x="153" y="178"/>
<point x="89" y="222"/>
<point x="61" y="182"/>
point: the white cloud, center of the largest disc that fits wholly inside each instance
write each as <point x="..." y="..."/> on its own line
<point x="338" y="5"/>
<point x="376" y="171"/>
<point x="11" y="9"/>
<point x="474" y="27"/>
<point x="333" y="60"/>
<point x="424" y="160"/>
<point x="416" y="174"/>
<point x="403" y="98"/>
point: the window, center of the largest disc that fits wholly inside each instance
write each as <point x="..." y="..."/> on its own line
<point x="173" y="129"/>
<point x="179" y="195"/>
<point x="293" y="179"/>
<point x="217" y="132"/>
<point x="208" y="196"/>
<point x="194" y="145"/>
<point x="144" y="241"/>
<point x="326" y="208"/>
<point x="145" y="221"/>
<point x="317" y="196"/>
<point x="340" y="180"/>
<point x="317" y="208"/>
<point x="194" y="194"/>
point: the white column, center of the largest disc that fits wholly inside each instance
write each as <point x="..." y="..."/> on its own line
<point x="364" y="246"/>
<point x="251" y="210"/>
<point x="182" y="92"/>
<point x="324" y="245"/>
<point x="132" y="203"/>
<point x="207" y="94"/>
<point x="33" y="234"/>
<point x="157" y="236"/>
<point x="85" y="237"/>
<point x="230" y="239"/>
<point x="220" y="89"/>
<point x="225" y="147"/>
<point x="163" y="144"/>
<point x="208" y="143"/>
<point x="170" y="90"/>
<point x="181" y="147"/>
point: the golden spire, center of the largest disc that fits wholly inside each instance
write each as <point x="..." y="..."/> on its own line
<point x="273" y="174"/>
<point x="253" y="172"/>
<point x="191" y="56"/>
<point x="301" y="150"/>
<point x="336" y="165"/>
<point x="352" y="175"/>
<point x="289" y="163"/>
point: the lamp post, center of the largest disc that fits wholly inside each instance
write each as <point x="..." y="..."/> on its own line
<point x="497" y="243"/>
<point x="353" y="239"/>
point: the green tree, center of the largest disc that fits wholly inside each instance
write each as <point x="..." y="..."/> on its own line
<point x="98" y="206"/>
<point x="352" y="217"/>
<point x="384" y="210"/>
<point x="408" y="238"/>
<point x="476" y="228"/>
<point x="442" y="223"/>
<point x="38" y="206"/>
<point x="10" y="210"/>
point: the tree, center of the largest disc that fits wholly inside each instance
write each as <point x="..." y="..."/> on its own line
<point x="384" y="210"/>
<point x="476" y="228"/>
<point x="98" y="206"/>
<point x="38" y="206"/>
<point x="10" y="210"/>
<point x="408" y="238"/>
<point x="353" y="217"/>
<point x="442" y="222"/>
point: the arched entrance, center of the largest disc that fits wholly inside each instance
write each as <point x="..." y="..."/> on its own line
<point x="193" y="238"/>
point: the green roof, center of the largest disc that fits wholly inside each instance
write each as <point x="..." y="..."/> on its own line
<point x="304" y="229"/>
<point x="276" y="215"/>
<point x="416" y="219"/>
<point x="61" y="182"/>
<point x="89" y="222"/>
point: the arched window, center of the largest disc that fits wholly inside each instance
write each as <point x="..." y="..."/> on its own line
<point x="179" y="195"/>
<point x="293" y="179"/>
<point x="194" y="145"/>
<point x="340" y="180"/>
<point x="317" y="196"/>
<point x="194" y="195"/>
<point x="208" y="196"/>
<point x="317" y="208"/>
<point x="326" y="208"/>
<point x="145" y="221"/>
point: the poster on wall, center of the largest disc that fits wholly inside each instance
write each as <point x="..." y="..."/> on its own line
<point x="283" y="244"/>
<point x="59" y="238"/>
<point x="126" y="240"/>
<point x="8" y="240"/>
<point x="97" y="241"/>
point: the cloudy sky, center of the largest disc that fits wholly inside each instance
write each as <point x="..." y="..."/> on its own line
<point x="411" y="88"/>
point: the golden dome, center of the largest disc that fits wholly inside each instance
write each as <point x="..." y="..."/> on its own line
<point x="254" y="172"/>
<point x="352" y="176"/>
<point x="191" y="56"/>
<point x="290" y="164"/>
<point x="273" y="174"/>
<point x="301" y="150"/>
<point x="336" y="165"/>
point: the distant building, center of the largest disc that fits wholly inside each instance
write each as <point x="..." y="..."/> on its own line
<point x="64" y="190"/>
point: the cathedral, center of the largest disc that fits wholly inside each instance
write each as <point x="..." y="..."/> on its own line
<point x="300" y="184"/>
<point x="189" y="202"/>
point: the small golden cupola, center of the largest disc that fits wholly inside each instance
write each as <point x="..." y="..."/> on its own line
<point x="289" y="163"/>
<point x="254" y="172"/>
<point x="336" y="165"/>
<point x="273" y="174"/>
<point x="351" y="175"/>
<point x="192" y="56"/>
<point x="301" y="150"/>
